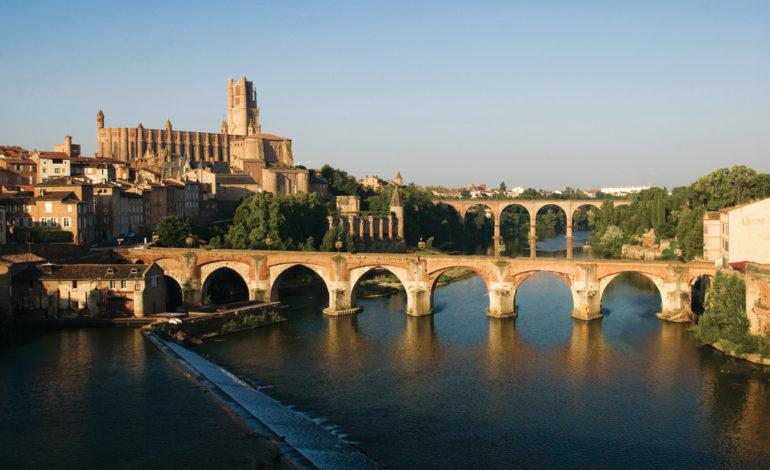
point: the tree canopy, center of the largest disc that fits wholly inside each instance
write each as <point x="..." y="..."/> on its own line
<point x="292" y="222"/>
<point x="173" y="232"/>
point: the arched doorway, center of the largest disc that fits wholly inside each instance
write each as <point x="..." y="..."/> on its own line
<point x="173" y="294"/>
<point x="698" y="288"/>
<point x="224" y="286"/>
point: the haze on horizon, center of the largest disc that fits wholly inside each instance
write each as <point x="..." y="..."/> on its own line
<point x="536" y="94"/>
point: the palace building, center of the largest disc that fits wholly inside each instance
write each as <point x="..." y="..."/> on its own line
<point x="240" y="143"/>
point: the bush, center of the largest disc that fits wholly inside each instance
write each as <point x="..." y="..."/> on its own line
<point x="724" y="319"/>
<point x="51" y="235"/>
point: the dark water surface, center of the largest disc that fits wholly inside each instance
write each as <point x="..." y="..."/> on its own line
<point x="452" y="390"/>
<point x="460" y="390"/>
<point x="106" y="398"/>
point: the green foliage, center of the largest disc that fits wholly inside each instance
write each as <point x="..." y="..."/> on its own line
<point x="51" y="235"/>
<point x="292" y="222"/>
<point x="611" y="241"/>
<point x="680" y="214"/>
<point x="250" y="321"/>
<point x="340" y="183"/>
<point x="173" y="232"/>
<point x="725" y="187"/>
<point x="338" y="233"/>
<point x="689" y="232"/>
<point x="724" y="318"/>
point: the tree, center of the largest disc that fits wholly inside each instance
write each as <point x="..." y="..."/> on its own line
<point x="173" y="232"/>
<point x="689" y="232"/>
<point x="291" y="222"/>
<point x="340" y="183"/>
<point x="502" y="186"/>
<point x="612" y="241"/>
<point x="338" y="233"/>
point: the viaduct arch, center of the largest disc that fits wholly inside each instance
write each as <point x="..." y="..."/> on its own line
<point x="497" y="206"/>
<point x="341" y="272"/>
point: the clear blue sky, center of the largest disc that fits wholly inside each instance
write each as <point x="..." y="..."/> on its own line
<point x="541" y="94"/>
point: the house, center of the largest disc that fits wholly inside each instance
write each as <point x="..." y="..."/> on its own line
<point x="90" y="290"/>
<point x="739" y="233"/>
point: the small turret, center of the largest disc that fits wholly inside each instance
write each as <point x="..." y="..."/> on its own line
<point x="168" y="124"/>
<point x="399" y="181"/>
<point x="224" y="126"/>
<point x="100" y="119"/>
<point x="397" y="207"/>
<point x="140" y="126"/>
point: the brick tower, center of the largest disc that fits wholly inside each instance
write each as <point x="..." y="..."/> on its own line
<point x="242" y="111"/>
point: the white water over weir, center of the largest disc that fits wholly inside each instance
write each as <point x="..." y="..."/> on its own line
<point x="309" y="444"/>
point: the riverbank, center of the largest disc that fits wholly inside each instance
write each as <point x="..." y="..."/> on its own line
<point x="299" y="439"/>
<point x="755" y="358"/>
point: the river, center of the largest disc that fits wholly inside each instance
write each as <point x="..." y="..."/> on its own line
<point x="452" y="390"/>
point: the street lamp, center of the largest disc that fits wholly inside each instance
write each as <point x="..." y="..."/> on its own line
<point x="268" y="242"/>
<point x="421" y="244"/>
<point x="338" y="244"/>
<point x="500" y="249"/>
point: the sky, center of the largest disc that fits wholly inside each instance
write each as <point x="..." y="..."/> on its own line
<point x="542" y="94"/>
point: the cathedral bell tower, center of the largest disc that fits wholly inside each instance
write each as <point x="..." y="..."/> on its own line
<point x="242" y="111"/>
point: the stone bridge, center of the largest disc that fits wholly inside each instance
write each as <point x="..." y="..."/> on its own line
<point x="587" y="279"/>
<point x="533" y="206"/>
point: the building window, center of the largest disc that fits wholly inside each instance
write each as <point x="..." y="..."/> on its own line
<point x="154" y="281"/>
<point x="74" y="284"/>
<point x="112" y="284"/>
<point x="123" y="284"/>
<point x="65" y="221"/>
<point x="49" y="207"/>
<point x="69" y="208"/>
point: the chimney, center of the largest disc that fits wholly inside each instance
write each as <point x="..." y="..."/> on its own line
<point x="68" y="145"/>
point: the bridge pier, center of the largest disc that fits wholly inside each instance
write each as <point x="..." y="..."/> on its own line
<point x="675" y="303"/>
<point x="501" y="300"/>
<point x="419" y="300"/>
<point x="341" y="299"/>
<point x="586" y="300"/>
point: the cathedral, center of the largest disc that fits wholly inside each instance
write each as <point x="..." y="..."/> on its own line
<point x="240" y="143"/>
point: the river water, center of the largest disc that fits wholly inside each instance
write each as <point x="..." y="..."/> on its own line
<point x="452" y="390"/>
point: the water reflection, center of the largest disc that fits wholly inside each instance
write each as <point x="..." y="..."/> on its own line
<point x="588" y="355"/>
<point x="419" y="346"/>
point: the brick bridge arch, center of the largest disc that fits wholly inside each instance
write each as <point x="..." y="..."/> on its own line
<point x="341" y="272"/>
<point x="533" y="206"/>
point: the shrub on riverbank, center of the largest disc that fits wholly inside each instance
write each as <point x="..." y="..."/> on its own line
<point x="251" y="321"/>
<point x="724" y="319"/>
